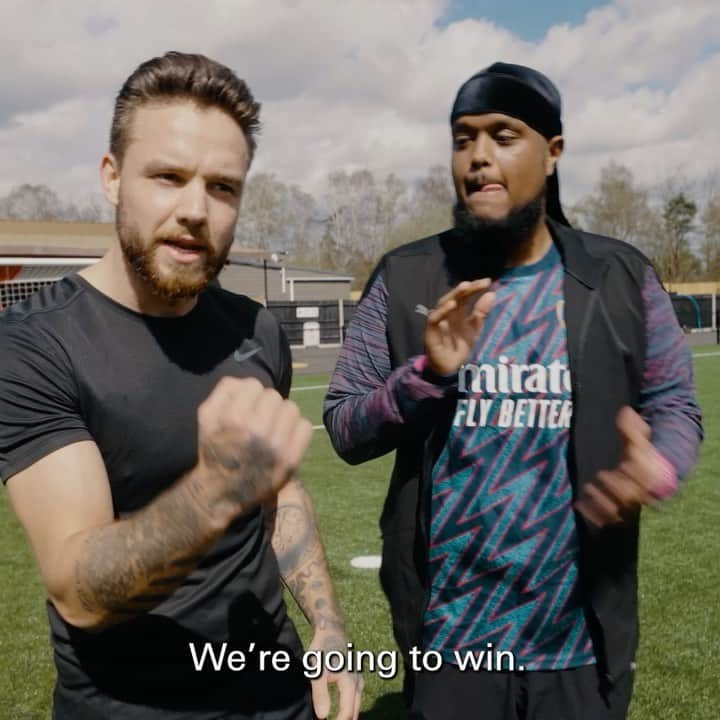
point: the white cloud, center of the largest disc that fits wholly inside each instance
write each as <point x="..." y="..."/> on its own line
<point x="362" y="83"/>
<point x="60" y="146"/>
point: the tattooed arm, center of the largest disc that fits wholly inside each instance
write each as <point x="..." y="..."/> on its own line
<point x="303" y="566"/>
<point x="98" y="570"/>
<point x="301" y="558"/>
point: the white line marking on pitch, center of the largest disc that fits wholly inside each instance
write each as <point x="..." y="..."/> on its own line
<point x="318" y="427"/>
<point x="369" y="562"/>
<point x="308" y="387"/>
<point x="712" y="354"/>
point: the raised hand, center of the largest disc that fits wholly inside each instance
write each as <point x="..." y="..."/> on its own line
<point x="619" y="493"/>
<point x="250" y="443"/>
<point x="453" y="326"/>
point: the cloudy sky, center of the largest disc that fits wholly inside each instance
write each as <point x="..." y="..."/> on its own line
<point x="368" y="83"/>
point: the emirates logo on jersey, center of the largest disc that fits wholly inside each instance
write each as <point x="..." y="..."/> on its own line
<point x="514" y="395"/>
<point x="506" y="377"/>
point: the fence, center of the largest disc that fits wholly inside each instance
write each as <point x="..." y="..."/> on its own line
<point x="695" y="312"/>
<point x="312" y="323"/>
<point x="20" y="280"/>
<point x="324" y="322"/>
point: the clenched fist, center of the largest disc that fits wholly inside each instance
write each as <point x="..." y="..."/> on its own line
<point x="638" y="480"/>
<point x="250" y="443"/>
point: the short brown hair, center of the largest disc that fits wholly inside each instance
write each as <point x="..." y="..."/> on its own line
<point x="184" y="76"/>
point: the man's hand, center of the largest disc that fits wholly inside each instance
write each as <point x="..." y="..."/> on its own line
<point x="617" y="494"/>
<point x="452" y="327"/>
<point x="250" y="444"/>
<point x="349" y="684"/>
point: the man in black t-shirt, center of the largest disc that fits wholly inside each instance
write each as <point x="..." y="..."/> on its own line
<point x="148" y="445"/>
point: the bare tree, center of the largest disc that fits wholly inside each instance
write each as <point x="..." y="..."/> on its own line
<point x="93" y="209"/>
<point x="274" y="216"/>
<point x="366" y="217"/>
<point x="710" y="248"/>
<point x="618" y="208"/>
<point x="436" y="188"/>
<point x="31" y="202"/>
<point x="429" y="208"/>
<point x="39" y="202"/>
<point x="361" y="215"/>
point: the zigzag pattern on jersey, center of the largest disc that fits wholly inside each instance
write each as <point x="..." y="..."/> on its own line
<point x="503" y="544"/>
<point x="490" y="572"/>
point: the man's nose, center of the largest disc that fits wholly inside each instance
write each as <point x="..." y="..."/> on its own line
<point x="192" y="204"/>
<point x="483" y="152"/>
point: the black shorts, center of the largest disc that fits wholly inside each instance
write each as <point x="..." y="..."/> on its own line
<point x="575" y="694"/>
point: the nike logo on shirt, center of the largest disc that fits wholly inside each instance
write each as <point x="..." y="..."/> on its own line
<point x="242" y="356"/>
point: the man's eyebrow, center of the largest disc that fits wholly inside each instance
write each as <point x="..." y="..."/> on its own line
<point x="506" y="122"/>
<point x="226" y="178"/>
<point x="163" y="164"/>
<point x="460" y="126"/>
<point x="496" y="124"/>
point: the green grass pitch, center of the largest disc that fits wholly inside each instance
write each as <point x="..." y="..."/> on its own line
<point x="677" y="674"/>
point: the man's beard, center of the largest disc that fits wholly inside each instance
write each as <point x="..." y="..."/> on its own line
<point x="491" y="243"/>
<point x="186" y="281"/>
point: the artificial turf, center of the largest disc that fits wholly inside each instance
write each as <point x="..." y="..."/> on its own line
<point x="677" y="675"/>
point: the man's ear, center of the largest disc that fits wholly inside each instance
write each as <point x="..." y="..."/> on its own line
<point x="110" y="177"/>
<point x="556" y="145"/>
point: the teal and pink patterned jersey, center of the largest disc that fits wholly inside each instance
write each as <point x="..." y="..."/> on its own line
<point x="503" y="542"/>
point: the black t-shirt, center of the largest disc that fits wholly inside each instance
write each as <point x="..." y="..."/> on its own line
<point x="78" y="366"/>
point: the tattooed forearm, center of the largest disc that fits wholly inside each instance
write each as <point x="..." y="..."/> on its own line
<point x="131" y="566"/>
<point x="314" y="593"/>
<point x="301" y="558"/>
<point x="292" y="537"/>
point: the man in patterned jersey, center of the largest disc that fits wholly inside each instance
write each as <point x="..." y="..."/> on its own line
<point x="544" y="401"/>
